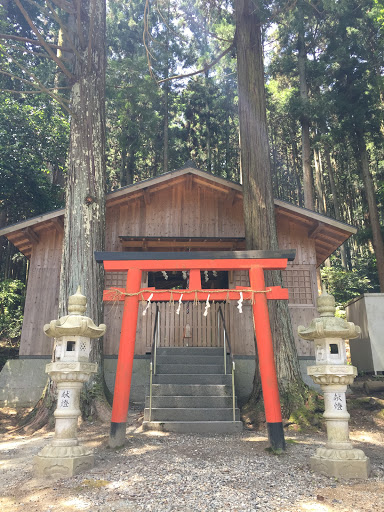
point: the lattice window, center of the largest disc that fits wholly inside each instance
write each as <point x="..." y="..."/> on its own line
<point x="115" y="279"/>
<point x="299" y="284"/>
<point x="83" y="346"/>
<point x="241" y="278"/>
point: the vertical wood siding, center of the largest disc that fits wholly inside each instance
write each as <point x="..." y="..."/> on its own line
<point x="42" y="294"/>
<point x="173" y="211"/>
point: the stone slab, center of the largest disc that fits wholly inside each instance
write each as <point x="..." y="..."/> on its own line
<point x="341" y="468"/>
<point x="140" y="378"/>
<point x="195" y="427"/>
<point x="22" y="382"/>
<point x="62" y="467"/>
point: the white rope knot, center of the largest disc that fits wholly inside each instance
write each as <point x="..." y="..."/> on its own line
<point x="207" y="306"/>
<point x="179" y="306"/>
<point x="240" y="303"/>
<point x="148" y="304"/>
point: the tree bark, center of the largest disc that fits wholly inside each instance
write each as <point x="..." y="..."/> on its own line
<point x="85" y="199"/>
<point x="335" y="201"/>
<point x="374" y="220"/>
<point x="305" y="140"/>
<point x="259" y="214"/>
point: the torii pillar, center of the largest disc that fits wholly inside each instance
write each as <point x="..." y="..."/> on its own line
<point x="195" y="262"/>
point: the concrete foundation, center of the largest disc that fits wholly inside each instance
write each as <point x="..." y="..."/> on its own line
<point x="22" y="381"/>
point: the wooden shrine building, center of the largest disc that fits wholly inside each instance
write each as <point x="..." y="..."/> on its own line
<point x="184" y="210"/>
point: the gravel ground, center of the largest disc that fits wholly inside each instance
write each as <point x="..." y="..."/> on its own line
<point x="161" y="472"/>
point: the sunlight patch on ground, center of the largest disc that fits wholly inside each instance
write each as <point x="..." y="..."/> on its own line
<point x="7" y="504"/>
<point x="143" y="449"/>
<point x="154" y="433"/>
<point x="22" y="441"/>
<point x="312" y="506"/>
<point x="9" y="464"/>
<point x="367" y="437"/>
<point x="256" y="439"/>
<point x="76" y="504"/>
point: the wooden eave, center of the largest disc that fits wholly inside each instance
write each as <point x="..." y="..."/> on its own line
<point x="328" y="234"/>
<point x="169" y="243"/>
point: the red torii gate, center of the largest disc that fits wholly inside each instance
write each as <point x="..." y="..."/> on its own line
<point x="194" y="262"/>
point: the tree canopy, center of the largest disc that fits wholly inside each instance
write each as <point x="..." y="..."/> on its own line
<point x="334" y="50"/>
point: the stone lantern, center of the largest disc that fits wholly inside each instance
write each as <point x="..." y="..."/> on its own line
<point x="338" y="458"/>
<point x="70" y="368"/>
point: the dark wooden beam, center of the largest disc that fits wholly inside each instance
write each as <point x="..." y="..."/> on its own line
<point x="205" y="255"/>
<point x="318" y="228"/>
<point x="31" y="235"/>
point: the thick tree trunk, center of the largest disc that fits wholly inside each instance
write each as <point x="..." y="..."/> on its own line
<point x="259" y="214"/>
<point x="166" y="129"/>
<point x="305" y="140"/>
<point x="85" y="198"/>
<point x="318" y="182"/>
<point x="335" y="201"/>
<point x="295" y="165"/>
<point x="374" y="220"/>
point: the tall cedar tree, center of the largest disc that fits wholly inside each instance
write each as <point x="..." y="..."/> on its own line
<point x="85" y="190"/>
<point x="259" y="214"/>
<point x="83" y="28"/>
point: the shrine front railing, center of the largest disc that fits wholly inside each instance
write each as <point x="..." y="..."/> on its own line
<point x="152" y="364"/>
<point x="227" y="351"/>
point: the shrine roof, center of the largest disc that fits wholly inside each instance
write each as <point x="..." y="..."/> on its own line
<point x="327" y="233"/>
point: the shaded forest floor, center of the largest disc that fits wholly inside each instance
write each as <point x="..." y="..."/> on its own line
<point x="170" y="472"/>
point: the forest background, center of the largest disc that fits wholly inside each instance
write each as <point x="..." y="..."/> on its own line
<point x="324" y="89"/>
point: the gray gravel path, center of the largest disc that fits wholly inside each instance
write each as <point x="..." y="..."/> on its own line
<point x="188" y="473"/>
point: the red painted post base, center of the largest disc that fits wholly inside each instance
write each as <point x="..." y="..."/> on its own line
<point x="276" y="436"/>
<point x="117" y="434"/>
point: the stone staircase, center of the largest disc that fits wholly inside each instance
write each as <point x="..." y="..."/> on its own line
<point x="191" y="394"/>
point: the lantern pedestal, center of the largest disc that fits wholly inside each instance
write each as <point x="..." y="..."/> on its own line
<point x="65" y="457"/>
<point x="338" y="458"/>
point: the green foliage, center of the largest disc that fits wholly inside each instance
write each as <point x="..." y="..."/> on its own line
<point x="346" y="284"/>
<point x="33" y="142"/>
<point x="11" y="308"/>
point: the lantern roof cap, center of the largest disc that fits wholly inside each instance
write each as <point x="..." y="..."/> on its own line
<point x="75" y="323"/>
<point x="328" y="326"/>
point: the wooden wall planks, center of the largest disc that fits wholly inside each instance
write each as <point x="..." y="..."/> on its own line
<point x="42" y="294"/>
<point x="175" y="211"/>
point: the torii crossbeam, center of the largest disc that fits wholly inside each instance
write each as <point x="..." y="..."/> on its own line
<point x="255" y="262"/>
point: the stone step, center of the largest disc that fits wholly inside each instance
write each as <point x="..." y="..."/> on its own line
<point x="191" y="390"/>
<point x="189" y="359"/>
<point x="195" y="427"/>
<point x="190" y="368"/>
<point x="194" y="414"/>
<point x="191" y="351"/>
<point x="188" y="402"/>
<point x="202" y="378"/>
